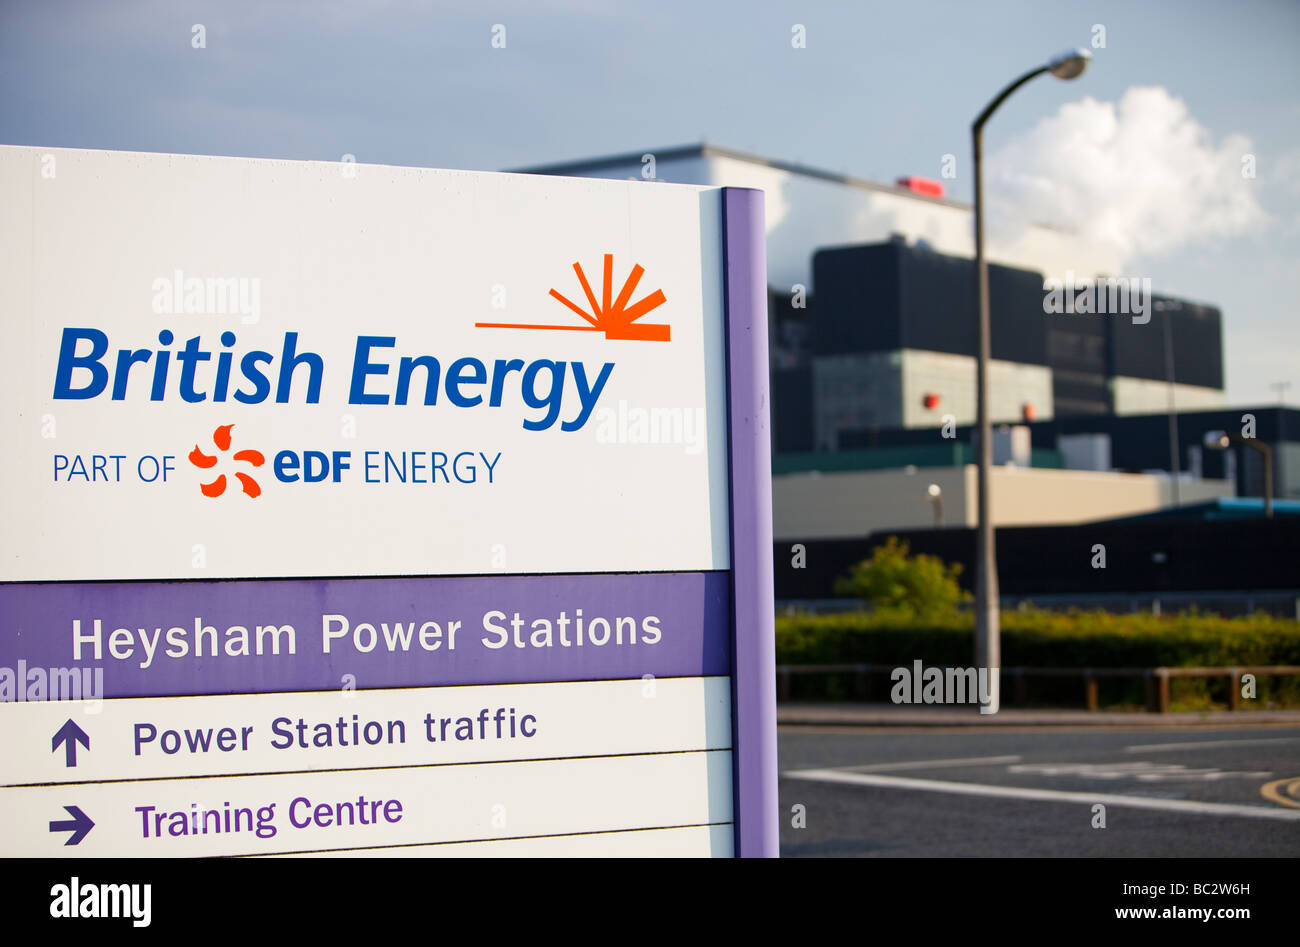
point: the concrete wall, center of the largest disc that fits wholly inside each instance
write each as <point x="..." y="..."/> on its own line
<point x="1037" y="497"/>
<point x="952" y="377"/>
<point x="832" y="505"/>
<point x="836" y="505"/>
<point x="1147" y="396"/>
<point x="887" y="390"/>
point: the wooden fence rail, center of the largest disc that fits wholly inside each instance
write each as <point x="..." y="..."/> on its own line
<point x="1157" y="679"/>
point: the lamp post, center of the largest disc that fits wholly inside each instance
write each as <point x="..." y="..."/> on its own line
<point x="935" y="493"/>
<point x="1219" y="440"/>
<point x="988" y="646"/>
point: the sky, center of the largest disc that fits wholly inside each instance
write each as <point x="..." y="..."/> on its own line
<point x="1145" y="150"/>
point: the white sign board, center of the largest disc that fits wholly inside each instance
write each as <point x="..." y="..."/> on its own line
<point x="385" y="484"/>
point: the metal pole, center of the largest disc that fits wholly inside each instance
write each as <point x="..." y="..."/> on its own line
<point x="1266" y="455"/>
<point x="1268" y="482"/>
<point x="1174" y="449"/>
<point x="988" y="638"/>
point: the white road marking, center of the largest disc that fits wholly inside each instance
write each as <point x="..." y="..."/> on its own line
<point x="1143" y="772"/>
<point x="933" y="764"/>
<point x="1046" y="795"/>
<point x="1171" y="747"/>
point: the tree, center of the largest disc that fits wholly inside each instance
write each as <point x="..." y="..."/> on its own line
<point x="892" y="578"/>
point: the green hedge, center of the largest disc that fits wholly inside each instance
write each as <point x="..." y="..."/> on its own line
<point x="1047" y="640"/>
<point x="1034" y="638"/>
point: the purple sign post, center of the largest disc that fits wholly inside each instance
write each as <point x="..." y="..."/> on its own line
<point x="754" y="608"/>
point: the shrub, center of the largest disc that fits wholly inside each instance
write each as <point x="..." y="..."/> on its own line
<point x="893" y="579"/>
<point x="1040" y="639"/>
<point x="1032" y="638"/>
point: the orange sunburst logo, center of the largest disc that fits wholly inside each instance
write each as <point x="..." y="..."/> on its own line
<point x="221" y="438"/>
<point x="615" y="318"/>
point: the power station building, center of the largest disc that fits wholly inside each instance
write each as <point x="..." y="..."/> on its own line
<point x="873" y="358"/>
<point x="891" y="343"/>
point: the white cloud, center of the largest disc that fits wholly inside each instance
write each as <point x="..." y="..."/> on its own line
<point x="1141" y="177"/>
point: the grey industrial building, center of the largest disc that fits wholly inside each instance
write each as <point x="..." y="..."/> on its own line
<point x="873" y="342"/>
<point x="886" y="340"/>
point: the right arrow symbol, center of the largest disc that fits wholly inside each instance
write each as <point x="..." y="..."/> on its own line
<point x="70" y="735"/>
<point x="79" y="825"/>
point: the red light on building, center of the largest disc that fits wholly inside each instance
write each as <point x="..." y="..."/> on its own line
<point x="922" y="186"/>
<point x="1029" y="411"/>
<point x="931" y="401"/>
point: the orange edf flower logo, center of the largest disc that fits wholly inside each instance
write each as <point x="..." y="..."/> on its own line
<point x="616" y="319"/>
<point x="221" y="437"/>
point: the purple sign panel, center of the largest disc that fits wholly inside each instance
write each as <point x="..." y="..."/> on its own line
<point x="155" y="639"/>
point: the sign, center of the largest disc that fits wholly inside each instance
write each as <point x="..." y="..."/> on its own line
<point x="386" y="510"/>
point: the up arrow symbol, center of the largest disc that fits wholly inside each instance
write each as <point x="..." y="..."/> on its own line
<point x="70" y="735"/>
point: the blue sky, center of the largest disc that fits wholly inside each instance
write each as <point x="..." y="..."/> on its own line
<point x="881" y="89"/>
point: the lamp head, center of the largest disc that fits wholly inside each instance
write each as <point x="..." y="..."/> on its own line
<point x="1216" y="440"/>
<point x="1070" y="64"/>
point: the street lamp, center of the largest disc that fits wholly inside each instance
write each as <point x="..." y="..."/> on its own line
<point x="988" y="647"/>
<point x="1219" y="440"/>
<point x="936" y="497"/>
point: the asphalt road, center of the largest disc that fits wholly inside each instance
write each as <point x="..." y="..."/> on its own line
<point x="889" y="792"/>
